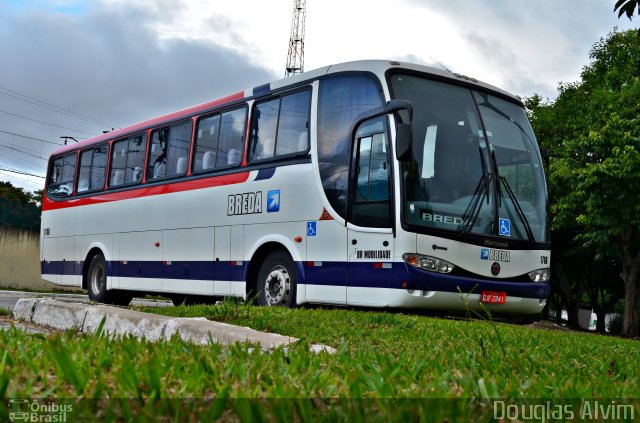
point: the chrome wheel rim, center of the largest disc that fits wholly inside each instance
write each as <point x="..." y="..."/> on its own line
<point x="277" y="286"/>
<point x="97" y="279"/>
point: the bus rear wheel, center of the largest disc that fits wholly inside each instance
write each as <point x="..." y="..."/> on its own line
<point x="97" y="284"/>
<point x="277" y="281"/>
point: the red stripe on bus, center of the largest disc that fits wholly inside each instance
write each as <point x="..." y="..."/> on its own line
<point x="152" y="123"/>
<point x="100" y="198"/>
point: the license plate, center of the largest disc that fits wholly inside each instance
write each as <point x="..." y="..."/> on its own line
<point x="493" y="297"/>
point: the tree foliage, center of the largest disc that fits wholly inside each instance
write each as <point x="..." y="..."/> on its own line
<point x="593" y="133"/>
<point x="627" y="7"/>
<point x="19" y="208"/>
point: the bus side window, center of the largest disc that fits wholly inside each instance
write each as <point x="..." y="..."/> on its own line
<point x="169" y="151"/>
<point x="207" y="134"/>
<point x="280" y="127"/>
<point x="178" y="150"/>
<point x="158" y="154"/>
<point x="84" y="173"/>
<point x="98" y="168"/>
<point x="135" y="159"/>
<point x="61" y="176"/>
<point x="340" y="100"/>
<point x="118" y="162"/>
<point x="371" y="203"/>
<point x="231" y="143"/>
<point x="127" y="159"/>
<point x="93" y="169"/>
<point x="264" y="130"/>
<point x="293" y="125"/>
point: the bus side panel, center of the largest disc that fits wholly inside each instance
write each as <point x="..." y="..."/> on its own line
<point x="237" y="286"/>
<point x="49" y="265"/>
<point x="326" y="269"/>
<point x="70" y="273"/>
<point x="187" y="260"/>
<point x="221" y="283"/>
<point x="140" y="263"/>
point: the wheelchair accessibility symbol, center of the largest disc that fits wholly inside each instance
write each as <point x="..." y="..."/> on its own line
<point x="311" y="228"/>
<point x="505" y="227"/>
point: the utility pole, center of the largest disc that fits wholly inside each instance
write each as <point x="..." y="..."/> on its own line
<point x="295" y="57"/>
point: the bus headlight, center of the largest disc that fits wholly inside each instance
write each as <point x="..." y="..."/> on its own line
<point x="428" y="263"/>
<point x="540" y="275"/>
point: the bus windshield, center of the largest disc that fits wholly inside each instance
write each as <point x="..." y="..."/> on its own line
<point x="475" y="164"/>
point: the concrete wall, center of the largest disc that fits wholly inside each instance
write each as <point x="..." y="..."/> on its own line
<point x="20" y="260"/>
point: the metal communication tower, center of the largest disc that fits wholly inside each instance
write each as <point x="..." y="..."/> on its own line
<point x="295" y="57"/>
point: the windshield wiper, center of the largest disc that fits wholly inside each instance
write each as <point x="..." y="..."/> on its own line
<point x="473" y="209"/>
<point x="486" y="103"/>
<point x="503" y="181"/>
<point x="519" y="211"/>
<point x="482" y="190"/>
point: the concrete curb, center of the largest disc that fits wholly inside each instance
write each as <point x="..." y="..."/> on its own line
<point x="86" y="318"/>
<point x="82" y="298"/>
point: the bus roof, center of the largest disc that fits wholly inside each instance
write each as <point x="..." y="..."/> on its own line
<point x="379" y="67"/>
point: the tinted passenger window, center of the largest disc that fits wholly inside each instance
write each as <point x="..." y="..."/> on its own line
<point x="61" y="176"/>
<point x="127" y="161"/>
<point x="231" y="145"/>
<point x="169" y="151"/>
<point x="207" y="136"/>
<point x="293" y="125"/>
<point x="265" y="126"/>
<point x="341" y="100"/>
<point x="371" y="204"/>
<point x="219" y="140"/>
<point x="280" y="127"/>
<point x="93" y="169"/>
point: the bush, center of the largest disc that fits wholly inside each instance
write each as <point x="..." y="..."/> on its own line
<point x="614" y="325"/>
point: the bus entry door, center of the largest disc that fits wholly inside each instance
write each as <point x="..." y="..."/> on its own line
<point x="370" y="234"/>
<point x="370" y="266"/>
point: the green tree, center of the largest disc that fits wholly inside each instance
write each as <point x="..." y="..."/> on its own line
<point x="36" y="197"/>
<point x="627" y="7"/>
<point x="593" y="132"/>
<point x="17" y="194"/>
<point x="19" y="208"/>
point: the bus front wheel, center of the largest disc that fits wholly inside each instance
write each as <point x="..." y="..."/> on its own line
<point x="97" y="284"/>
<point x="277" y="281"/>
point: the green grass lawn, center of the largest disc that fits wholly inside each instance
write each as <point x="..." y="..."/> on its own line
<point x="386" y="362"/>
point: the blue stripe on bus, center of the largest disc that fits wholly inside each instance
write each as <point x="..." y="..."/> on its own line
<point x="262" y="90"/>
<point x="265" y="173"/>
<point x="194" y="270"/>
<point x="61" y="268"/>
<point x="364" y="275"/>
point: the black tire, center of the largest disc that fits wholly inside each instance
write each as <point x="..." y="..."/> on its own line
<point x="97" y="284"/>
<point x="277" y="280"/>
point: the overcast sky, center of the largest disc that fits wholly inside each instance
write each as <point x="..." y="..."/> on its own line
<point x="111" y="63"/>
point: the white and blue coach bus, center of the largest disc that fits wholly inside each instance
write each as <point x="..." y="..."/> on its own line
<point x="370" y="183"/>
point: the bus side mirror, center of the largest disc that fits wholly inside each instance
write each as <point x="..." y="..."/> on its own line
<point x="404" y="132"/>
<point x="403" y="142"/>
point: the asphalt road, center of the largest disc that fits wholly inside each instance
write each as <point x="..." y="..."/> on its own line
<point x="5" y="324"/>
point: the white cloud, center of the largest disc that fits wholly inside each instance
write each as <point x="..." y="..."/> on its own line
<point x="123" y="61"/>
